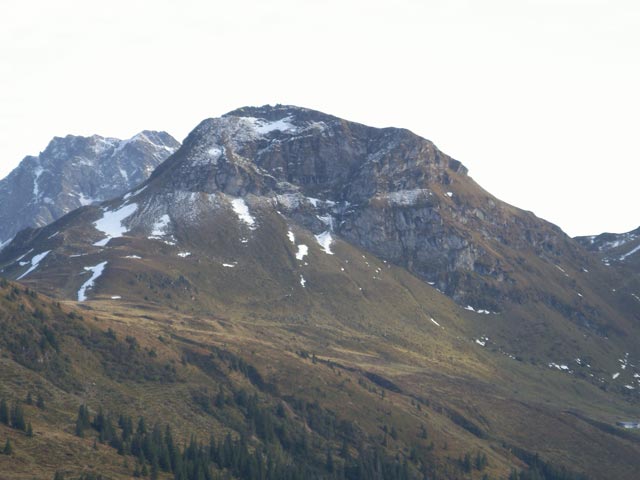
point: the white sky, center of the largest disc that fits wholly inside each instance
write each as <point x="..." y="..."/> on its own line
<point x="540" y="99"/>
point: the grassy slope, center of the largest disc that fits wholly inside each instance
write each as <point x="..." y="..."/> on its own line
<point x="385" y="328"/>
<point x="364" y="316"/>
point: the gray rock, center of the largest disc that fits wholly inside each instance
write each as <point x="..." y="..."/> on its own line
<point x="75" y="171"/>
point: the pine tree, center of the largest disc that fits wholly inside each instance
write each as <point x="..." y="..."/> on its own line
<point x="142" y="428"/>
<point x="58" y="476"/>
<point x="155" y="469"/>
<point x="329" y="466"/>
<point x="17" y="418"/>
<point x="40" y="402"/>
<point x="29" y="400"/>
<point x="29" y="430"/>
<point x="481" y="461"/>
<point x="466" y="463"/>
<point x="82" y="422"/>
<point x="4" y="412"/>
<point x="8" y="448"/>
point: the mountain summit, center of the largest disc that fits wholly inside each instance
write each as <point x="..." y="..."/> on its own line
<point x="386" y="190"/>
<point x="74" y="171"/>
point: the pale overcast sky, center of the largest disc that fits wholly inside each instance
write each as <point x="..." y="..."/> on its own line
<point x="540" y="99"/>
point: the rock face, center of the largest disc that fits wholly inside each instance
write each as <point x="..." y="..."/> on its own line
<point x="75" y="171"/>
<point x="386" y="190"/>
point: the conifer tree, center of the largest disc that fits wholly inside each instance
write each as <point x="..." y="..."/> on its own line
<point x="17" y="418"/>
<point x="40" y="402"/>
<point x="4" y="412"/>
<point x="82" y="422"/>
<point x="329" y="462"/>
<point x="8" y="448"/>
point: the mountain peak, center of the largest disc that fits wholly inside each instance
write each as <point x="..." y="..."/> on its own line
<point x="73" y="171"/>
<point x="277" y="112"/>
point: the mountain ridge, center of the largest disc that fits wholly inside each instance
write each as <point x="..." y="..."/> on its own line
<point x="73" y="171"/>
<point x="299" y="245"/>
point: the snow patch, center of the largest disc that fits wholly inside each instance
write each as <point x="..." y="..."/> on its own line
<point x="34" y="263"/>
<point x="303" y="250"/>
<point x="303" y="282"/>
<point x="116" y="297"/>
<point x="84" y="200"/>
<point x="628" y="254"/>
<point x="37" y="172"/>
<point x="228" y="265"/>
<point x="215" y="152"/>
<point x="134" y="256"/>
<point x="133" y="194"/>
<point x="615" y="375"/>
<point x="263" y="127"/>
<point x="479" y="310"/>
<point x="96" y="271"/>
<point x="5" y="243"/>
<point x="184" y="254"/>
<point x="325" y="241"/>
<point x="327" y="220"/>
<point x="561" y="367"/>
<point x="161" y="226"/>
<point x="434" y="321"/>
<point x="291" y="237"/>
<point x="242" y="211"/>
<point x="111" y="223"/>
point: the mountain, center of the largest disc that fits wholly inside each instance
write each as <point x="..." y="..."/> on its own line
<point x="614" y="247"/>
<point x="619" y="252"/>
<point x="353" y="268"/>
<point x="74" y="171"/>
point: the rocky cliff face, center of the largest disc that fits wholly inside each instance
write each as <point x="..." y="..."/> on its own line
<point x="75" y="171"/>
<point x="386" y="190"/>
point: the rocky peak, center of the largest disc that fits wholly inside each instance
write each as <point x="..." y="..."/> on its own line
<point x="74" y="171"/>
<point x="384" y="189"/>
<point x="281" y="149"/>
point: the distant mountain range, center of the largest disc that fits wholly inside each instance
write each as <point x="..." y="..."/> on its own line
<point x="327" y="266"/>
<point x="74" y="171"/>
